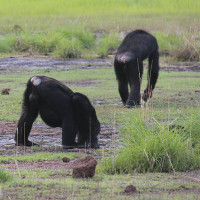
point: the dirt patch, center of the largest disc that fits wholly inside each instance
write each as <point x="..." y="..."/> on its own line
<point x="38" y="128"/>
<point x="182" y="66"/>
<point x="51" y="165"/>
<point x="47" y="137"/>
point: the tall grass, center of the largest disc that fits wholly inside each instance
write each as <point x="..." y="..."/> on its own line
<point x="77" y="41"/>
<point x="153" y="147"/>
<point x="4" y="176"/>
<point x="66" y="43"/>
<point x="108" y="44"/>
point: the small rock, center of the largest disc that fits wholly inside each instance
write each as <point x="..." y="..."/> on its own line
<point x="130" y="189"/>
<point x="5" y="91"/>
<point x="65" y="159"/>
<point x="84" y="167"/>
<point x="182" y="187"/>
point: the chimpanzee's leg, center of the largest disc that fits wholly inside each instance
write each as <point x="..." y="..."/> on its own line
<point x="153" y="71"/>
<point x="25" y="124"/>
<point x="120" y="71"/>
<point x="94" y="142"/>
<point x="69" y="132"/>
<point x="134" y="72"/>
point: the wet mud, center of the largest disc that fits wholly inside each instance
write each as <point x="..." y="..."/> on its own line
<point x="47" y="137"/>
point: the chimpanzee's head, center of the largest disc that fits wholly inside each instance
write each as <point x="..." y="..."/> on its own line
<point x="89" y="125"/>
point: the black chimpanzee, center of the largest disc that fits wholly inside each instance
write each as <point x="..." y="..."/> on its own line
<point x="128" y="64"/>
<point x="58" y="106"/>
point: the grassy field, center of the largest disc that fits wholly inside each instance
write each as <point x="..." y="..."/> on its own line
<point x="85" y="28"/>
<point x="94" y="14"/>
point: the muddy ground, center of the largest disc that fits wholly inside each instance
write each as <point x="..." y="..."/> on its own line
<point x="28" y="63"/>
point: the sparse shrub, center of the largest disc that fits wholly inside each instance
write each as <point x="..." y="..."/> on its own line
<point x="17" y="29"/>
<point x="190" y="50"/>
<point x="85" y="37"/>
<point x="67" y="43"/>
<point x="35" y="43"/>
<point x="187" y="53"/>
<point x="69" y="48"/>
<point x="4" y="44"/>
<point x="108" y="44"/>
<point x="168" y="42"/>
<point x="153" y="148"/>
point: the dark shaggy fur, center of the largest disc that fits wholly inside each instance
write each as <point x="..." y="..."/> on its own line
<point x="58" y="106"/>
<point x="136" y="46"/>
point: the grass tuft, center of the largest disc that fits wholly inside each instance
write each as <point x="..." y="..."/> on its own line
<point x="149" y="147"/>
<point x="4" y="176"/>
<point x="190" y="50"/>
<point x="69" y="48"/>
<point x="109" y="44"/>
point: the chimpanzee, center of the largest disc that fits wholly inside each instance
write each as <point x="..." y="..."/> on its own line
<point x="128" y="65"/>
<point x="58" y="106"/>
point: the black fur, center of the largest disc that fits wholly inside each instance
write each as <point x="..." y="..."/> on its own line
<point x="128" y="64"/>
<point x="58" y="106"/>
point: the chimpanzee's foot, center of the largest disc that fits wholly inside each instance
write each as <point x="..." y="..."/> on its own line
<point x="133" y="105"/>
<point x="95" y="146"/>
<point x="81" y="146"/>
<point x="27" y="143"/>
<point x="147" y="95"/>
<point x="129" y="106"/>
<point x="74" y="146"/>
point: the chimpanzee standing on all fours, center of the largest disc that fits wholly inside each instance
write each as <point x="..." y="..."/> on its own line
<point x="58" y="106"/>
<point x="128" y="64"/>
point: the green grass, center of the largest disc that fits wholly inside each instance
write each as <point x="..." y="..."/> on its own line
<point x="42" y="184"/>
<point x="93" y="8"/>
<point x="76" y="42"/>
<point x="155" y="147"/>
<point x="4" y="176"/>
<point x="72" y="29"/>
<point x="41" y="156"/>
<point x="108" y="44"/>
